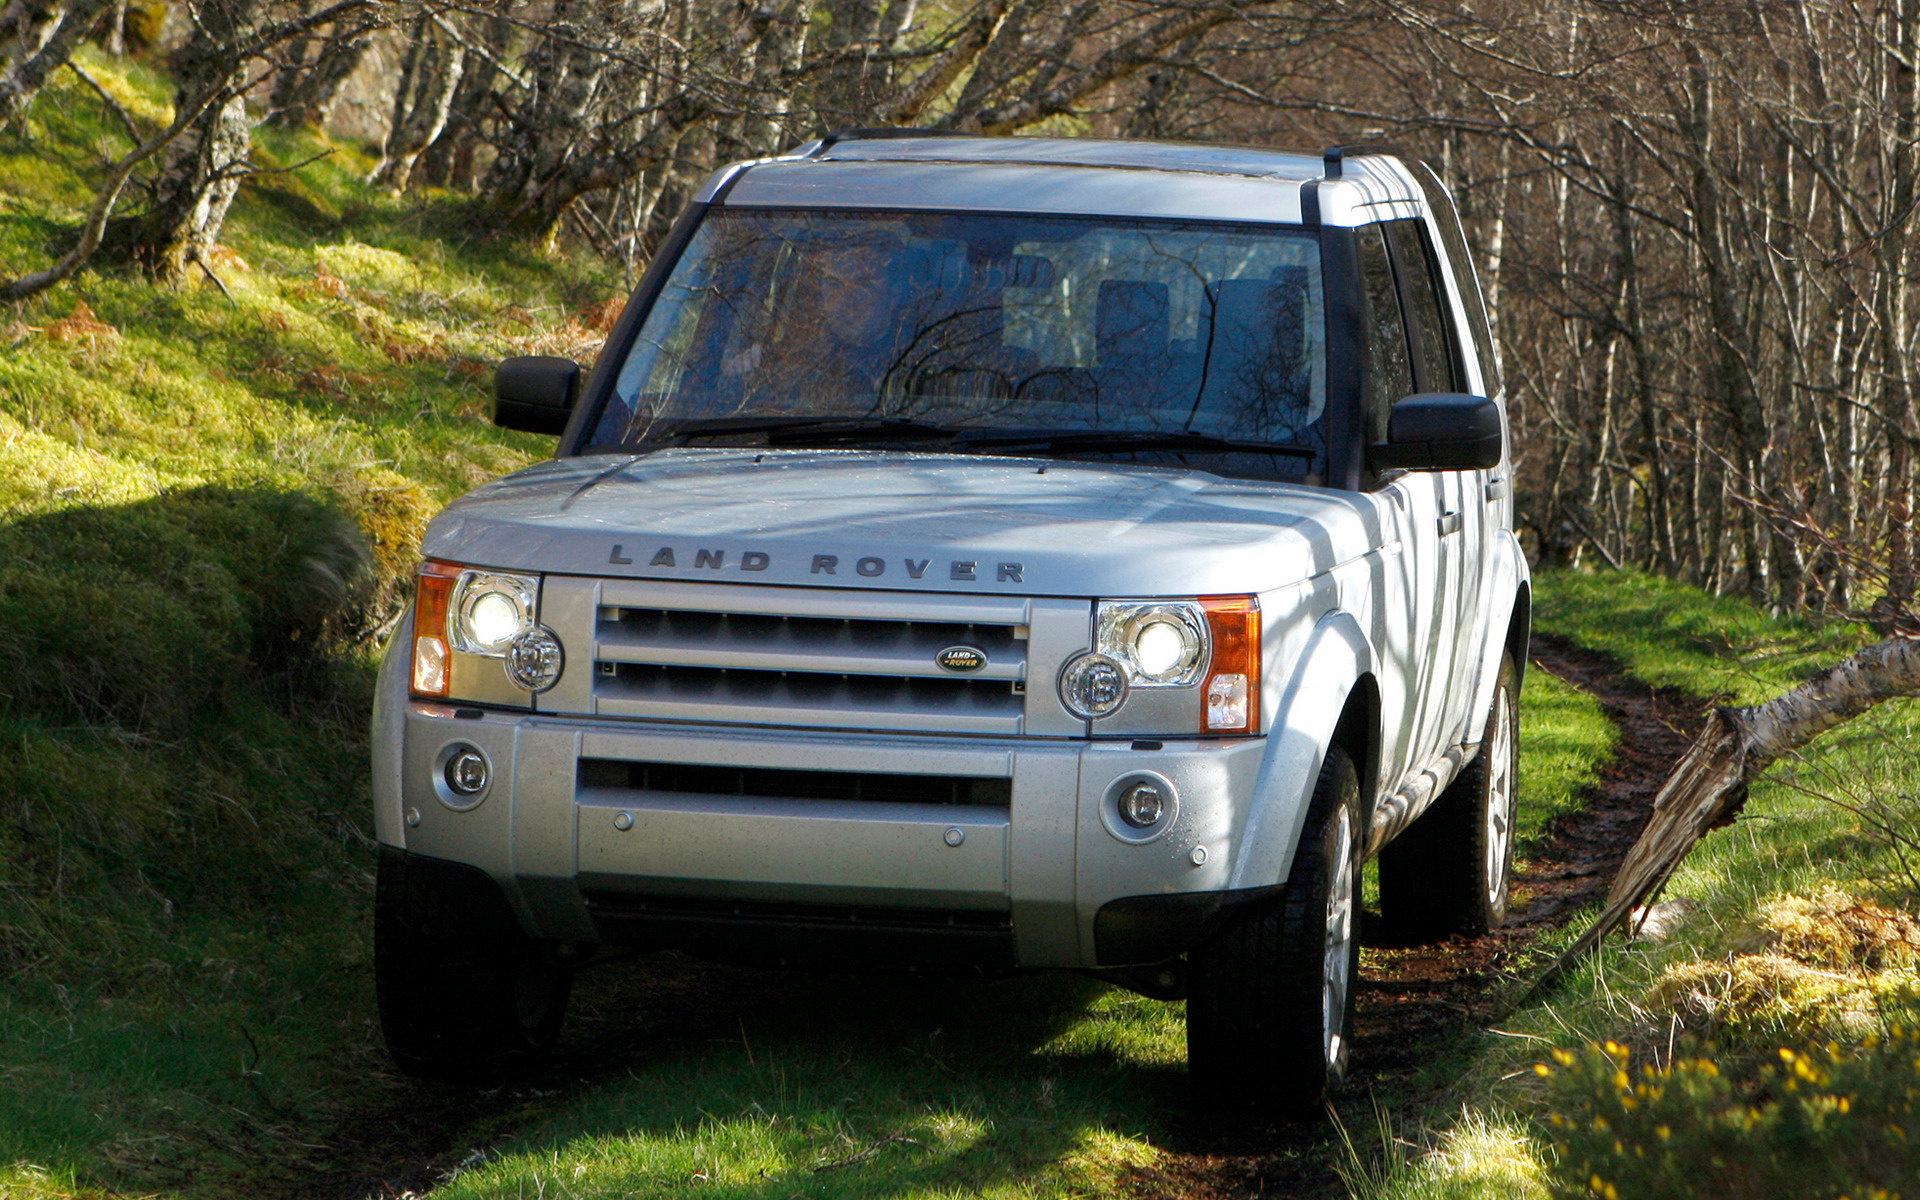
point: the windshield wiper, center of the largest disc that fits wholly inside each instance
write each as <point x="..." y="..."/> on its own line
<point x="781" y="431"/>
<point x="1132" y="439"/>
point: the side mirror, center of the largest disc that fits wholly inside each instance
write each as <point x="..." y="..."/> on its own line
<point x="534" y="393"/>
<point x="1441" y="431"/>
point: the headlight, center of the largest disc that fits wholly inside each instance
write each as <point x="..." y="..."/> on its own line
<point x="490" y="610"/>
<point x="462" y="615"/>
<point x="1192" y="666"/>
<point x="1093" y="686"/>
<point x="1162" y="644"/>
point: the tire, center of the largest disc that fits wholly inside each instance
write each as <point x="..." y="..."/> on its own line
<point x="464" y="996"/>
<point x="1448" y="872"/>
<point x="1270" y="995"/>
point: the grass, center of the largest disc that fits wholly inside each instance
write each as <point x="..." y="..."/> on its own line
<point x="1564" y="739"/>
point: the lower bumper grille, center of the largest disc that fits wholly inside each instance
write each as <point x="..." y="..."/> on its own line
<point x="843" y="936"/>
<point x="860" y="786"/>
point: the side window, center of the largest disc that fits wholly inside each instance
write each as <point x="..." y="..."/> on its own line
<point x="1435" y="354"/>
<point x="1389" y="377"/>
<point x="1454" y="239"/>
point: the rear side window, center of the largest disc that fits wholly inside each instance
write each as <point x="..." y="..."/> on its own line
<point x="1389" y="376"/>
<point x="1454" y="238"/>
<point x="1436" y="365"/>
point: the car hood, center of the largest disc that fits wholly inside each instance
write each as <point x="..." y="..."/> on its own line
<point x="935" y="522"/>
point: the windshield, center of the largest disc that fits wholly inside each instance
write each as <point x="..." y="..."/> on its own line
<point x="986" y="324"/>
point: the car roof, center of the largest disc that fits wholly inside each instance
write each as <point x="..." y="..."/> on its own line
<point x="1203" y="157"/>
<point x="919" y="169"/>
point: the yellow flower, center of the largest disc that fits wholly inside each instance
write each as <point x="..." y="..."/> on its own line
<point x="1542" y="1069"/>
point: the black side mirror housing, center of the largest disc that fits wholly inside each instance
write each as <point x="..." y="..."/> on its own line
<point x="535" y="393"/>
<point x="1441" y="431"/>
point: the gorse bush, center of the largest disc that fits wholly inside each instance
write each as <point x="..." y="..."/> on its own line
<point x="1824" y="1124"/>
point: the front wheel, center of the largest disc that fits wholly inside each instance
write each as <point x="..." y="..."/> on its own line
<point x="1448" y="872"/>
<point x="464" y="996"/>
<point x="1271" y="994"/>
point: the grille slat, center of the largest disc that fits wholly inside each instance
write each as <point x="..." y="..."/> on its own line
<point x="784" y="656"/>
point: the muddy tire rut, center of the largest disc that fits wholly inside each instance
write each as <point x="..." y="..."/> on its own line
<point x="406" y="1137"/>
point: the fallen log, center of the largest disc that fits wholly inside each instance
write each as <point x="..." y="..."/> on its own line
<point x="1708" y="786"/>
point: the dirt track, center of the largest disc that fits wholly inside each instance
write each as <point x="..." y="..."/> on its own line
<point x="1411" y="1001"/>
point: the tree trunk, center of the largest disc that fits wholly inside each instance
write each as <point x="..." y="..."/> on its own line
<point x="37" y="39"/>
<point x="449" y="162"/>
<point x="429" y="76"/>
<point x="202" y="169"/>
<point x="1708" y="786"/>
<point x="304" y="96"/>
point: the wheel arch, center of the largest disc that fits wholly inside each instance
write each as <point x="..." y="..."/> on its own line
<point x="1331" y="697"/>
<point x="1358" y="733"/>
<point x="1520" y="631"/>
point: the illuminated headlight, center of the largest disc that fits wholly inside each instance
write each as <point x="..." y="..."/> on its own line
<point x="490" y="610"/>
<point x="1162" y="644"/>
<point x="1194" y="664"/>
<point x="466" y="618"/>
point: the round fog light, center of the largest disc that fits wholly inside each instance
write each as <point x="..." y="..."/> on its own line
<point x="1093" y="686"/>
<point x="467" y="772"/>
<point x="1142" y="805"/>
<point x="534" y="660"/>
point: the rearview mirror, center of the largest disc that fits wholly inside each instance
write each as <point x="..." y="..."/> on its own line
<point x="1441" y="431"/>
<point x="534" y="393"/>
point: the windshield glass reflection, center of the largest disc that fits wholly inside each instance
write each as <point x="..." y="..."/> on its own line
<point x="984" y="321"/>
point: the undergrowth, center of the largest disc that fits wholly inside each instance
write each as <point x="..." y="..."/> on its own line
<point x="210" y="498"/>
<point x="1792" y="942"/>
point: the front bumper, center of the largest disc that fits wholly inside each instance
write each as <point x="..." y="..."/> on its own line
<point x="816" y="847"/>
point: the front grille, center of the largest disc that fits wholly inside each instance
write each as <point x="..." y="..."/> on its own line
<point x="859" y="786"/>
<point x="843" y="916"/>
<point x="848" y="937"/>
<point x="806" y="657"/>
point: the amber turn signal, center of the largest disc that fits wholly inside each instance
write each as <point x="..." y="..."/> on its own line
<point x="1232" y="693"/>
<point x="435" y="593"/>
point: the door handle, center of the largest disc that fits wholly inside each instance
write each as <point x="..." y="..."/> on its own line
<point x="1449" y="523"/>
<point x="1496" y="488"/>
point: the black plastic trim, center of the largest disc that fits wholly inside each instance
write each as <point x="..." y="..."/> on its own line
<point x="1346" y="303"/>
<point x="881" y="133"/>
<point x="1335" y="157"/>
<point x="1135" y="930"/>
<point x="464" y="888"/>
<point x="820" y="936"/>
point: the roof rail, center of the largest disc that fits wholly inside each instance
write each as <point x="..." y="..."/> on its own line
<point x="1335" y="156"/>
<point x="881" y="133"/>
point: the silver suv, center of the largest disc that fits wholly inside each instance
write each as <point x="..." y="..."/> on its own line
<point x="978" y="554"/>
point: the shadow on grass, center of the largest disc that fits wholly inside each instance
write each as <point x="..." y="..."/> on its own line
<point x="675" y="1072"/>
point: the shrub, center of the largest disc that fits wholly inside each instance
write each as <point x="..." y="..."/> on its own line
<point x="141" y="615"/>
<point x="1816" y="1125"/>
